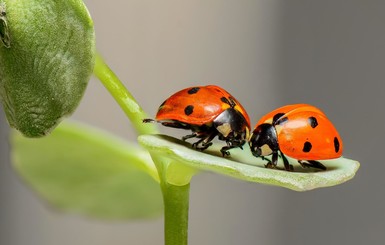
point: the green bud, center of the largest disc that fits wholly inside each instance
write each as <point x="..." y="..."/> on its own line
<point x="47" y="53"/>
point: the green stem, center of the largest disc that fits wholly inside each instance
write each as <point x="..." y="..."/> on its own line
<point x="176" y="205"/>
<point x="175" y="198"/>
<point x="125" y="100"/>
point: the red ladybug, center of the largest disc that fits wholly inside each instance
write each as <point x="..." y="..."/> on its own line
<point x="299" y="131"/>
<point x="207" y="111"/>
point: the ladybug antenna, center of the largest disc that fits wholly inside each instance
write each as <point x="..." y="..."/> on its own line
<point x="230" y="101"/>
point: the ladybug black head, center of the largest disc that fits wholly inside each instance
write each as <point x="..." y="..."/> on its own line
<point x="263" y="140"/>
<point x="232" y="126"/>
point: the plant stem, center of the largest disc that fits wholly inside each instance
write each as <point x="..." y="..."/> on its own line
<point x="176" y="206"/>
<point x="124" y="98"/>
<point x="175" y="198"/>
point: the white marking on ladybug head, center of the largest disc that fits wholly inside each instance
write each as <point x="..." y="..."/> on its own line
<point x="265" y="150"/>
<point x="224" y="129"/>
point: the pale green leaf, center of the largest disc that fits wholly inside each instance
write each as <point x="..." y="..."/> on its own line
<point x="86" y="171"/>
<point x="243" y="165"/>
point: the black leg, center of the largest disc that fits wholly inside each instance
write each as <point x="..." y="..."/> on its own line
<point x="148" y="120"/>
<point x="184" y="138"/>
<point x="231" y="145"/>
<point x="273" y="162"/>
<point x="203" y="143"/>
<point x="311" y="163"/>
<point x="288" y="166"/>
<point x="198" y="144"/>
<point x="265" y="159"/>
<point x="225" y="149"/>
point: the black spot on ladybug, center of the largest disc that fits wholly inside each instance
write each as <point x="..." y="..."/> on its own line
<point x="225" y="100"/>
<point x="188" y="110"/>
<point x="277" y="116"/>
<point x="336" y="144"/>
<point x="282" y="120"/>
<point x="193" y="90"/>
<point x="232" y="102"/>
<point x="307" y="147"/>
<point x="312" y="122"/>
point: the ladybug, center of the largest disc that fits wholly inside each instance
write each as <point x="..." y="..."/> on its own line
<point x="300" y="131"/>
<point x="207" y="111"/>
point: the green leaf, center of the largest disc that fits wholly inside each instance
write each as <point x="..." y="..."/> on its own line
<point x="243" y="165"/>
<point x="46" y="60"/>
<point x="86" y="171"/>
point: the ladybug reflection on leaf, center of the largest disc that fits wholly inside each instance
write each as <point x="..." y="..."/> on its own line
<point x="208" y="111"/>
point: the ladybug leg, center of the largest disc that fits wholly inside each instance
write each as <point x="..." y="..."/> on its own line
<point x="201" y="146"/>
<point x="316" y="164"/>
<point x="311" y="163"/>
<point x="204" y="142"/>
<point x="268" y="164"/>
<point x="207" y="141"/>
<point x="225" y="149"/>
<point x="230" y="145"/>
<point x="274" y="160"/>
<point x="288" y="166"/>
<point x="189" y="136"/>
<point x="148" y="120"/>
<point x="265" y="159"/>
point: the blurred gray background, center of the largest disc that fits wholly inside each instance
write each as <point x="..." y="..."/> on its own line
<point x="267" y="53"/>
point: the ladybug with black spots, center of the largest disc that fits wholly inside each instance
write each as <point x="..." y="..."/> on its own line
<point x="208" y="111"/>
<point x="300" y="131"/>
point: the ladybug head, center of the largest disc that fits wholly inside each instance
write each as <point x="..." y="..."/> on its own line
<point x="232" y="126"/>
<point x="263" y="140"/>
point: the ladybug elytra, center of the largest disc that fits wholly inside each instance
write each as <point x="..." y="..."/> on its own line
<point x="300" y="131"/>
<point x="208" y="111"/>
